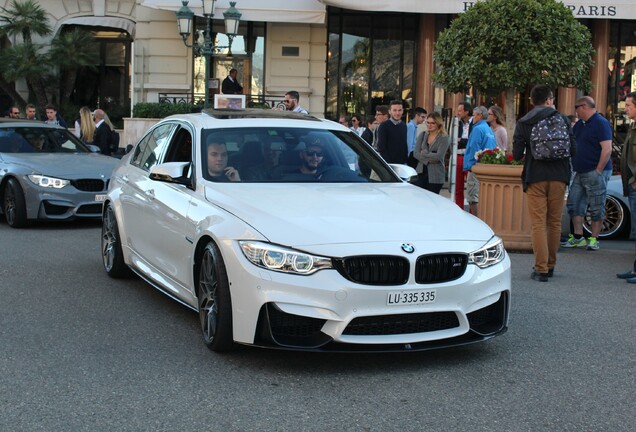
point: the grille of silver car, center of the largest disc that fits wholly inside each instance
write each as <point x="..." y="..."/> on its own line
<point x="401" y="324"/>
<point x="89" y="185"/>
<point x="374" y="269"/>
<point x="440" y="268"/>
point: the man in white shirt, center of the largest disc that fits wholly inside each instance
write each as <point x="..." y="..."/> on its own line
<point x="291" y="102"/>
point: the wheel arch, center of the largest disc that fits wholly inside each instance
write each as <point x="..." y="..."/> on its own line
<point x="198" y="253"/>
<point x="3" y="185"/>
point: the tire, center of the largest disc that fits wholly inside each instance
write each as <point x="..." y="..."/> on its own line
<point x="14" y="204"/>
<point x="112" y="255"/>
<point x="615" y="221"/>
<point x="215" y="304"/>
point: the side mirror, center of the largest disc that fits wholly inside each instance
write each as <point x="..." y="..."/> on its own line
<point x="129" y="147"/>
<point x="93" y="148"/>
<point x="171" y="172"/>
<point x="405" y="172"/>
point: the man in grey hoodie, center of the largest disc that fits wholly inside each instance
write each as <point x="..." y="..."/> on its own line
<point x="544" y="182"/>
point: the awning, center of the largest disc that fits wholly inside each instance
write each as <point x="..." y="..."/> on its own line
<point x="608" y="9"/>
<point x="101" y="21"/>
<point x="288" y="11"/>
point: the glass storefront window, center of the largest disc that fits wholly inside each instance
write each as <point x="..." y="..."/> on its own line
<point x="371" y="61"/>
<point x="355" y="65"/>
<point x="622" y="73"/>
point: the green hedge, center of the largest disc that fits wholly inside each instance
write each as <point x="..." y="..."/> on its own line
<point x="161" y="110"/>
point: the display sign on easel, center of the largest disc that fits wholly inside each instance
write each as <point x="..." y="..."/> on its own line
<point x="224" y="101"/>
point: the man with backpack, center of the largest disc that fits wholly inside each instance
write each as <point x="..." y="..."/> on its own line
<point x="592" y="170"/>
<point x="544" y="136"/>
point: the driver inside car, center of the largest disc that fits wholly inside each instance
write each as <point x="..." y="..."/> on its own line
<point x="217" y="164"/>
<point x="312" y="157"/>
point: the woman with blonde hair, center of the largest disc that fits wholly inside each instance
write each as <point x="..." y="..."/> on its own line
<point x="496" y="120"/>
<point x="430" y="150"/>
<point x="86" y="125"/>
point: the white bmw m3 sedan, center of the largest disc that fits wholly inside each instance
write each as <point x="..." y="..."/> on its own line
<point x="283" y="230"/>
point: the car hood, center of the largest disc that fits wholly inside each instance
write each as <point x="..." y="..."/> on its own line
<point x="313" y="214"/>
<point x="68" y="166"/>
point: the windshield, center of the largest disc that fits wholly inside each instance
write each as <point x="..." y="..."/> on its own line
<point x="39" y="140"/>
<point x="287" y="155"/>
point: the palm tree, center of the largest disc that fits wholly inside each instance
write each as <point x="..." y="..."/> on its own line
<point x="70" y="51"/>
<point x="25" y="18"/>
<point x="26" y="61"/>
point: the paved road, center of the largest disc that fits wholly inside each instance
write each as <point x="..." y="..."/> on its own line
<point x="82" y="352"/>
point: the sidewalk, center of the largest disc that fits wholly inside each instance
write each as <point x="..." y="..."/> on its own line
<point x="580" y="267"/>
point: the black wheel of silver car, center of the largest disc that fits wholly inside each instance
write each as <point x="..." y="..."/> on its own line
<point x="215" y="304"/>
<point x="615" y="219"/>
<point x="112" y="255"/>
<point x="14" y="205"/>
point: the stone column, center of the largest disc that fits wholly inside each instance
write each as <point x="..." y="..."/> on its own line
<point x="567" y="100"/>
<point x="425" y="66"/>
<point x="599" y="72"/>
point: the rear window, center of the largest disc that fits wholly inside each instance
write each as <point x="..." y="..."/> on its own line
<point x="289" y="155"/>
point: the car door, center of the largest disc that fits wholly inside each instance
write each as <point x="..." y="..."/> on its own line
<point x="137" y="188"/>
<point x="168" y="234"/>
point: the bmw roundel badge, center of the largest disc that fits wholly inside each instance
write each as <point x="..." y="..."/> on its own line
<point x="408" y="248"/>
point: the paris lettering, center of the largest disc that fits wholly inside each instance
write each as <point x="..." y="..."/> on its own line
<point x="579" y="11"/>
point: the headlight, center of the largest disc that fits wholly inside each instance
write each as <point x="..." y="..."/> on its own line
<point x="489" y="255"/>
<point x="50" y="182"/>
<point x="281" y="259"/>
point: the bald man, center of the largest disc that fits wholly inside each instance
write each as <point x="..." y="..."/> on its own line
<point x="592" y="166"/>
<point x="102" y="132"/>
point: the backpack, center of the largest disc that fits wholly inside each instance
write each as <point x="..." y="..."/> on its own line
<point x="550" y="138"/>
<point x="113" y="141"/>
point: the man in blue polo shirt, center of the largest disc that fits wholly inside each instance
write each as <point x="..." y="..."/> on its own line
<point x="592" y="170"/>
<point x="481" y="138"/>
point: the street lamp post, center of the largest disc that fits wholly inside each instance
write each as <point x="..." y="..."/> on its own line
<point x="232" y="18"/>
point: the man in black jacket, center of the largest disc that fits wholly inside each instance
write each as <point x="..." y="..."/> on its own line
<point x="391" y="135"/>
<point x="544" y="182"/>
<point x="230" y="84"/>
<point x="102" y="133"/>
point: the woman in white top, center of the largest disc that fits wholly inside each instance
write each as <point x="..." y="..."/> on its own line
<point x="496" y="120"/>
<point x="356" y="124"/>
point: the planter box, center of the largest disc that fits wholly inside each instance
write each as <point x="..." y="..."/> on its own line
<point x="503" y="205"/>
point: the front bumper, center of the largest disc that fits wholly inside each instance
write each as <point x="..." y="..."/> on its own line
<point x="327" y="312"/>
<point x="67" y="203"/>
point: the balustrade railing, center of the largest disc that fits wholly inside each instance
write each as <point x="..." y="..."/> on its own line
<point x="251" y="101"/>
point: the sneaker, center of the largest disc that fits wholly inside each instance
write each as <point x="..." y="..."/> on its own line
<point x="551" y="272"/>
<point x="572" y="242"/>
<point x="592" y="244"/>
<point x="627" y="275"/>
<point x="541" y="277"/>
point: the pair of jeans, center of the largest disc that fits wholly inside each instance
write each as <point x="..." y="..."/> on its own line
<point x="545" y="204"/>
<point x="588" y="190"/>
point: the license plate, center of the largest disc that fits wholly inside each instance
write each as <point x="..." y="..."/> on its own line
<point x="410" y="297"/>
<point x="100" y="197"/>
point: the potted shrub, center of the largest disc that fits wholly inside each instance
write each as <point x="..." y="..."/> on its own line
<point x="502" y="202"/>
